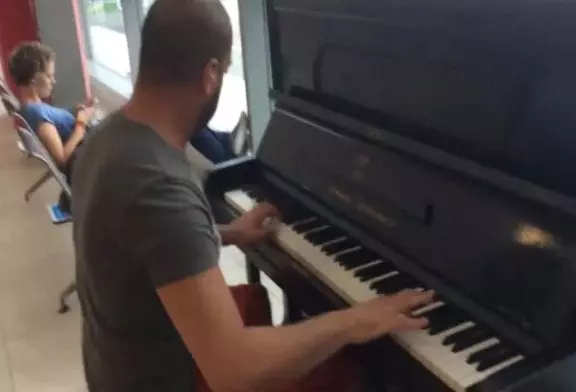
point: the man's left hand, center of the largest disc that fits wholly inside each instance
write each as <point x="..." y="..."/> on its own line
<point x="255" y="225"/>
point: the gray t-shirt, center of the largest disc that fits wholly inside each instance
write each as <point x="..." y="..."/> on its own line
<point x="141" y="221"/>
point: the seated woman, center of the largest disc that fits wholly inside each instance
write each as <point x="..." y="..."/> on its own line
<point x="216" y="146"/>
<point x="32" y="67"/>
<point x="220" y="147"/>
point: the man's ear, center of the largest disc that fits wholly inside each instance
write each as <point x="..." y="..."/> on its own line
<point x="211" y="79"/>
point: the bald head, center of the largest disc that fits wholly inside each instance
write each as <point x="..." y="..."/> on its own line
<point x="180" y="38"/>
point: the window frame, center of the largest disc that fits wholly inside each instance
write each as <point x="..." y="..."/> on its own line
<point x="254" y="36"/>
<point x="132" y="15"/>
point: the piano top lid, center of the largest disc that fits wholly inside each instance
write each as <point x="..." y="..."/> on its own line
<point x="488" y="81"/>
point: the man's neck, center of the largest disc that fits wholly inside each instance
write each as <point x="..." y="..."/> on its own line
<point x="161" y="111"/>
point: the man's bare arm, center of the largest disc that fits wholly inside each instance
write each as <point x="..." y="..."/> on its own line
<point x="234" y="358"/>
<point x="228" y="234"/>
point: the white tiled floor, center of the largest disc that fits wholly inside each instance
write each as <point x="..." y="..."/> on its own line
<point x="39" y="348"/>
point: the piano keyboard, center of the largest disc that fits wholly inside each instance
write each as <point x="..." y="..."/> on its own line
<point x="454" y="348"/>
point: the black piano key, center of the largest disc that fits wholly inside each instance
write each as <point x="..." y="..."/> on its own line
<point x="292" y="213"/>
<point x="337" y="247"/>
<point x="444" y="318"/>
<point x="261" y="194"/>
<point x="256" y="194"/>
<point x="292" y="216"/>
<point x="471" y="338"/>
<point x="496" y="358"/>
<point x="289" y="208"/>
<point x="249" y="189"/>
<point x="394" y="284"/>
<point x="286" y="206"/>
<point x="488" y="353"/>
<point x="456" y="336"/>
<point x="324" y="235"/>
<point x="304" y="227"/>
<point x="356" y="258"/>
<point x="281" y="202"/>
<point x="368" y="273"/>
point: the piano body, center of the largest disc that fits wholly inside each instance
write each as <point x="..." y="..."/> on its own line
<point x="420" y="145"/>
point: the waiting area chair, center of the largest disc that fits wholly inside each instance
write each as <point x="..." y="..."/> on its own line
<point x="28" y="143"/>
<point x="12" y="105"/>
<point x="35" y="149"/>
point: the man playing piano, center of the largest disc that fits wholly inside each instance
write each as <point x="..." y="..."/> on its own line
<point x="154" y="302"/>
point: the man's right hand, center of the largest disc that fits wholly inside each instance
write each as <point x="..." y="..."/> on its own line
<point x="376" y="318"/>
<point x="255" y="225"/>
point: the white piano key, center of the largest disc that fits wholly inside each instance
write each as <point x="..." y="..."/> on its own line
<point x="343" y="252"/>
<point x="372" y="263"/>
<point x="448" y="366"/>
<point x="314" y="230"/>
<point x="240" y="200"/>
<point x="389" y="275"/>
<point x="428" y="308"/>
<point x="307" y="220"/>
<point x="479" y="376"/>
<point x="478" y="347"/>
<point x="341" y="280"/>
<point x="458" y="328"/>
<point x="333" y="241"/>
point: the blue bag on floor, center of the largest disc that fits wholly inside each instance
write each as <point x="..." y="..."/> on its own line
<point x="57" y="215"/>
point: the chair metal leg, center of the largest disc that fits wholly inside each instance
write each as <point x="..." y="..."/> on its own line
<point x="68" y="291"/>
<point x="45" y="177"/>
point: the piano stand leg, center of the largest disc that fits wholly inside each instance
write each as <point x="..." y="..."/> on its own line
<point x="292" y="313"/>
<point x="252" y="273"/>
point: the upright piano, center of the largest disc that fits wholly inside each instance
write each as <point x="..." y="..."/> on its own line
<point x="425" y="144"/>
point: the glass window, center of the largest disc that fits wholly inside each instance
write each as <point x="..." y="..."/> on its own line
<point x="146" y="5"/>
<point x="107" y="34"/>
<point x="233" y="97"/>
<point x="237" y="68"/>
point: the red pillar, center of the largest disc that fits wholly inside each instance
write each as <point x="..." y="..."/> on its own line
<point x="17" y="23"/>
<point x="81" y="47"/>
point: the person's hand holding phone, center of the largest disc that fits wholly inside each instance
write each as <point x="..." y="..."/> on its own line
<point x="85" y="114"/>
<point x="91" y="102"/>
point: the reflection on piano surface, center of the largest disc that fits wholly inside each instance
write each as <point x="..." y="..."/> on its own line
<point x="394" y="175"/>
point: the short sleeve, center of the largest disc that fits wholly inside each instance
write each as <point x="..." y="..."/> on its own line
<point x="168" y="229"/>
<point x="36" y="115"/>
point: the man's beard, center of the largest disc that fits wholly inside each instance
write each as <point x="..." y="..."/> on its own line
<point x="208" y="111"/>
